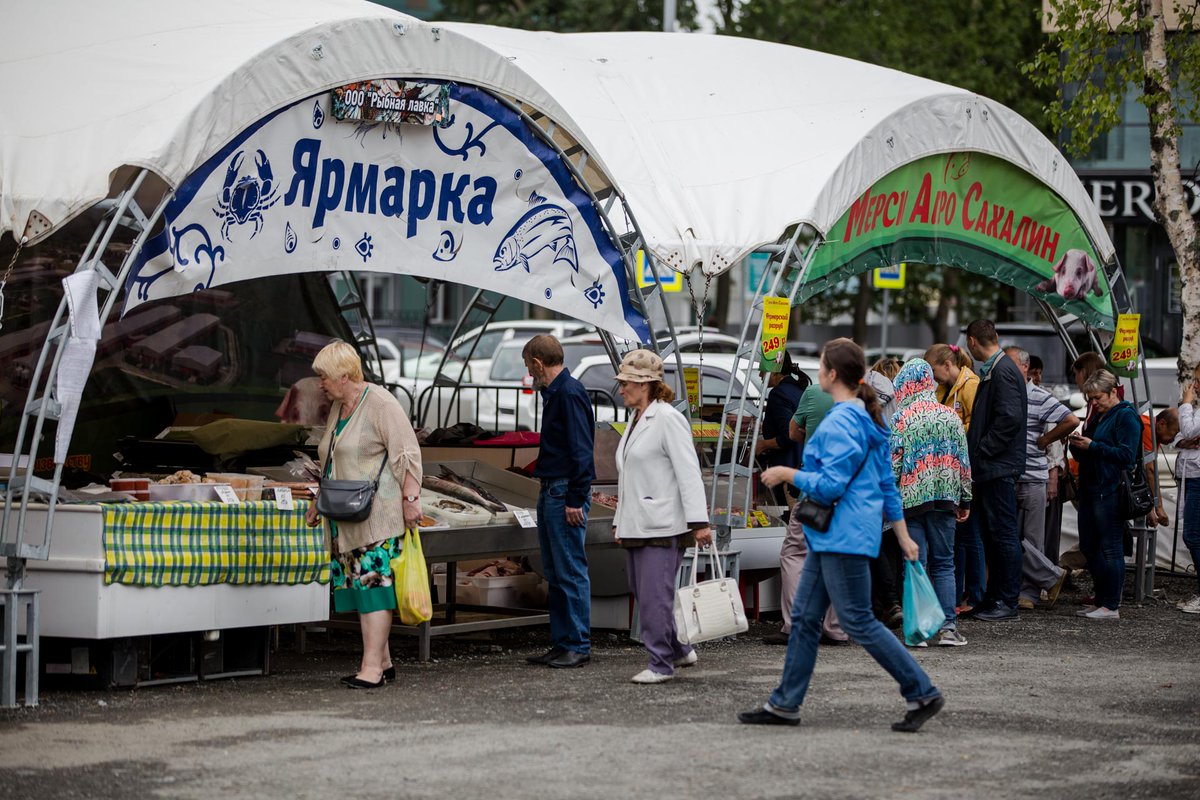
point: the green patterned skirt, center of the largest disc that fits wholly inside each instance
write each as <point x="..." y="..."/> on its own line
<point x="362" y="578"/>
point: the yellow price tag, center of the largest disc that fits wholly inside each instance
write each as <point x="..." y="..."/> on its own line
<point x="1124" y="352"/>
<point x="691" y="382"/>
<point x="776" y="313"/>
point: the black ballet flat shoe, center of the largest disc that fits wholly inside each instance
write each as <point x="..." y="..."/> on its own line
<point x="357" y="683"/>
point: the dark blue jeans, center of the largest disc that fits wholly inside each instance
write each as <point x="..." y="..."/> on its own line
<point x="844" y="581"/>
<point x="970" y="569"/>
<point x="1102" y="542"/>
<point x="995" y="510"/>
<point x="1191" y="519"/>
<point x="933" y="532"/>
<point x="565" y="568"/>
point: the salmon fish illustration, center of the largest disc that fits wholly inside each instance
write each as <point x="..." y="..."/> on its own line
<point x="546" y="226"/>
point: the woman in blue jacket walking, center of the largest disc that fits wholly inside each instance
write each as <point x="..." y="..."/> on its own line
<point x="837" y="570"/>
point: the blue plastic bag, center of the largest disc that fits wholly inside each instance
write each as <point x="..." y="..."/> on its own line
<point x="923" y="615"/>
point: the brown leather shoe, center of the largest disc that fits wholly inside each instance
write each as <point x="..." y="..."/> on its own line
<point x="1056" y="589"/>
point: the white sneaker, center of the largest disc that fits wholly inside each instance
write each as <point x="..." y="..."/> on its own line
<point x="1086" y="610"/>
<point x="1191" y="606"/>
<point x="650" y="676"/>
<point x="689" y="660"/>
<point x="951" y="639"/>
<point x="1102" y="613"/>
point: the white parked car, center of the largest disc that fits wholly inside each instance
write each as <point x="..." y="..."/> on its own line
<point x="713" y="342"/>
<point x="1164" y="387"/>
<point x="717" y="372"/>
<point x="478" y="345"/>
<point x="506" y="399"/>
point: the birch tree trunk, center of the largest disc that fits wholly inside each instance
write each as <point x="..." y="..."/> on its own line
<point x="1170" y="202"/>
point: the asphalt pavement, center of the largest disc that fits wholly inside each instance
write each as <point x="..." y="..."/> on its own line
<point x="1052" y="706"/>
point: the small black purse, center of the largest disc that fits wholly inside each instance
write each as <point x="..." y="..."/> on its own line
<point x="1134" y="498"/>
<point x="347" y="501"/>
<point x="819" y="516"/>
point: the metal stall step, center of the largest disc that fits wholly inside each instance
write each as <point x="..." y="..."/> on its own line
<point x="12" y="603"/>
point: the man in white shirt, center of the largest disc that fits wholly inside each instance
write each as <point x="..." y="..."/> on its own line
<point x="1181" y="429"/>
<point x="1043" y="410"/>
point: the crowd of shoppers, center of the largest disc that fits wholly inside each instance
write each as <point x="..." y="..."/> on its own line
<point x="956" y="459"/>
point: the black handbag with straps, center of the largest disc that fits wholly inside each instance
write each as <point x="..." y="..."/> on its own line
<point x="819" y="516"/>
<point x="1134" y="498"/>
<point x="347" y="500"/>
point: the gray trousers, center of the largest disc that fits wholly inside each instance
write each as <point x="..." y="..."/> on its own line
<point x="791" y="564"/>
<point x="1037" y="571"/>
<point x="652" y="573"/>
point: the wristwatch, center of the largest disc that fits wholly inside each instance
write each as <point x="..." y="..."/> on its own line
<point x="411" y="498"/>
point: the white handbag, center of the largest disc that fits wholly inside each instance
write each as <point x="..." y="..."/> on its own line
<point x="710" y="609"/>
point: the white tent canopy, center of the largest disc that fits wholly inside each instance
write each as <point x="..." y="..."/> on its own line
<point x="718" y="144"/>
<point x="721" y="143"/>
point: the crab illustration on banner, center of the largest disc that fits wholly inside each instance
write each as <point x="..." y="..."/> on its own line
<point x="473" y="196"/>
<point x="776" y="313"/>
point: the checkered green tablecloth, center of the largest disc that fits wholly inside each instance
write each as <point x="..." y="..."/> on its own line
<point x="198" y="544"/>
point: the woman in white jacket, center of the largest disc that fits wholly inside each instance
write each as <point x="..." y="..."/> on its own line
<point x="661" y="509"/>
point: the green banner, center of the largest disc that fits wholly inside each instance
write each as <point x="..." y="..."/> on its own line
<point x="973" y="212"/>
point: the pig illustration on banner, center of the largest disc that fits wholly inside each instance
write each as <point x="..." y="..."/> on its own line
<point x="1074" y="277"/>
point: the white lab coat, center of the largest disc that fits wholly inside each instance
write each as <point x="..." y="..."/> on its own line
<point x="659" y="488"/>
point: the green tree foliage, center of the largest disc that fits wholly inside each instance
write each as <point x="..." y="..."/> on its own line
<point x="1098" y="51"/>
<point x="978" y="45"/>
<point x="570" y="16"/>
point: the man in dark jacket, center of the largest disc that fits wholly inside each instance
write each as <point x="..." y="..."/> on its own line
<point x="996" y="444"/>
<point x="566" y="470"/>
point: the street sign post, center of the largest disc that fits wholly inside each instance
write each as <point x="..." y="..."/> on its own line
<point x="888" y="278"/>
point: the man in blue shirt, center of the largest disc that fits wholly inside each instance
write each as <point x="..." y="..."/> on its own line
<point x="566" y="470"/>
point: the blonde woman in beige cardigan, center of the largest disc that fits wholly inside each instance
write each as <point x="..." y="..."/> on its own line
<point x="367" y="425"/>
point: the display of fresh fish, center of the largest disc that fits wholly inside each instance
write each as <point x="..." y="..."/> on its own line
<point x="464" y="493"/>
<point x="454" y="477"/>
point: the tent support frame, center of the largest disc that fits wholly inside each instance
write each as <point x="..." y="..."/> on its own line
<point x="121" y="212"/>
<point x="628" y="245"/>
<point x="783" y="277"/>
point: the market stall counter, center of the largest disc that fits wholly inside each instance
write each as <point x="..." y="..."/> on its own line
<point x="137" y="569"/>
<point x="505" y="535"/>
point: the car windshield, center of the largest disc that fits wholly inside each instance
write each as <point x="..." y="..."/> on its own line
<point x="507" y="365"/>
<point x="714" y="382"/>
<point x="574" y="352"/>
<point x="488" y="342"/>
<point x="425" y="366"/>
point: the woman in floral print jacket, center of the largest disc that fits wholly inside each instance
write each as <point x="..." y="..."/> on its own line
<point x="929" y="460"/>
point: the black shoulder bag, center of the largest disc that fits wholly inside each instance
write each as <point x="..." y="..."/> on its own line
<point x="1134" y="498"/>
<point x="347" y="501"/>
<point x="817" y="515"/>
